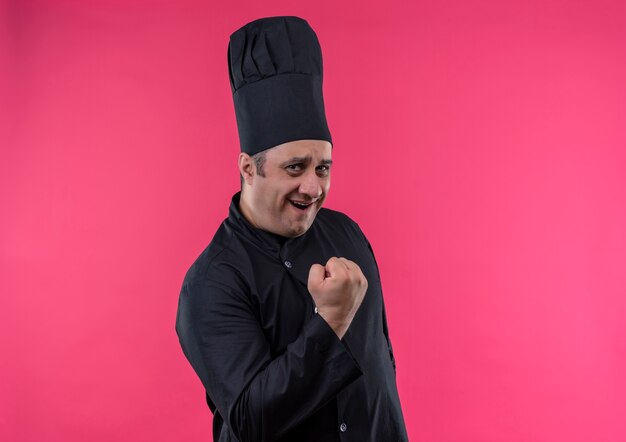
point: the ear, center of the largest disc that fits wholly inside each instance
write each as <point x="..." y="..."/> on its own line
<point x="246" y="167"/>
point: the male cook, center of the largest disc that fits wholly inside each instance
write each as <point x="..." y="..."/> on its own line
<point x="282" y="315"/>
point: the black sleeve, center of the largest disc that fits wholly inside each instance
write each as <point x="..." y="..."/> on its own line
<point x="385" y="328"/>
<point x="259" y="397"/>
<point x="386" y="332"/>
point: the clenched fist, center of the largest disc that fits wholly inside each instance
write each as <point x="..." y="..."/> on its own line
<point x="337" y="290"/>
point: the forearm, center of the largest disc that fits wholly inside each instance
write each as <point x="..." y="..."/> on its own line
<point x="311" y="372"/>
<point x="259" y="394"/>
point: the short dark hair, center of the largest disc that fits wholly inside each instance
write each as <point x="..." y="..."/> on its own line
<point x="259" y="163"/>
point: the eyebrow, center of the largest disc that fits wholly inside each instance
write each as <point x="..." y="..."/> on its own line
<point x="306" y="160"/>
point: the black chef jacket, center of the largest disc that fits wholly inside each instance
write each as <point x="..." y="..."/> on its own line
<point x="272" y="368"/>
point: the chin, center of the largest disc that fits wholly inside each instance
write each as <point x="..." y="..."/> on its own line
<point x="297" y="231"/>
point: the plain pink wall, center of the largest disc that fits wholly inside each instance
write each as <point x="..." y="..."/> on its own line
<point x="481" y="145"/>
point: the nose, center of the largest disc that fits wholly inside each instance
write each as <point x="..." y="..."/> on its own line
<point x="310" y="185"/>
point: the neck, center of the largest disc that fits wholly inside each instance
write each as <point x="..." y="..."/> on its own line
<point x="246" y="209"/>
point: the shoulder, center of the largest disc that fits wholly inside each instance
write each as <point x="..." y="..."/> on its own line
<point x="339" y="221"/>
<point x="326" y="215"/>
<point x="219" y="263"/>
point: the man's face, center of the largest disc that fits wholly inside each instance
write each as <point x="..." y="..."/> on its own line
<point x="297" y="178"/>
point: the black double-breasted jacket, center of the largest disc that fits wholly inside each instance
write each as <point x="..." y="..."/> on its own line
<point x="272" y="368"/>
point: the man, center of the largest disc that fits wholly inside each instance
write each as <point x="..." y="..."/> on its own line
<point x="282" y="315"/>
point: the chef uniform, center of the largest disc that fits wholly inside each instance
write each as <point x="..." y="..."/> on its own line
<point x="272" y="368"/>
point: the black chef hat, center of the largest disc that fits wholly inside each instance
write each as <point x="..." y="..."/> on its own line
<point x="275" y="67"/>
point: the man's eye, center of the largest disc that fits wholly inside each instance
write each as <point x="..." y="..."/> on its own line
<point x="323" y="170"/>
<point x="294" y="167"/>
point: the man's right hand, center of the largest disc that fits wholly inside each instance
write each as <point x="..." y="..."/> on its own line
<point x="337" y="290"/>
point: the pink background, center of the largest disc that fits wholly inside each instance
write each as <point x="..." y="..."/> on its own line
<point x="479" y="144"/>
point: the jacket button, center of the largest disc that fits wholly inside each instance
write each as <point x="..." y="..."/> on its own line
<point x="343" y="427"/>
<point x="288" y="264"/>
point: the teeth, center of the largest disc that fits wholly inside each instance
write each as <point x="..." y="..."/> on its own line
<point x="299" y="204"/>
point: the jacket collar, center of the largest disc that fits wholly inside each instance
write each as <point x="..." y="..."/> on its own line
<point x="266" y="240"/>
<point x="297" y="254"/>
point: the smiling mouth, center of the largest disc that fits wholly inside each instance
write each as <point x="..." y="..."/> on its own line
<point x="300" y="205"/>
